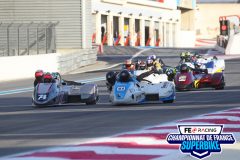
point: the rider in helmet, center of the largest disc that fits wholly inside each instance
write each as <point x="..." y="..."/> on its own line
<point x="57" y="77"/>
<point x="111" y="79"/>
<point x="156" y="64"/>
<point x="129" y="65"/>
<point x="170" y="72"/>
<point x="200" y="68"/>
<point x="198" y="55"/>
<point x="149" y="64"/>
<point x="124" y="76"/>
<point x="38" y="77"/>
<point x="137" y="64"/>
<point x="185" y="57"/>
<point x="48" y="78"/>
<point x="142" y="65"/>
<point x="184" y="68"/>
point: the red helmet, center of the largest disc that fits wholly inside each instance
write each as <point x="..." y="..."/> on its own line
<point x="128" y="62"/>
<point x="39" y="74"/>
<point x="48" y="77"/>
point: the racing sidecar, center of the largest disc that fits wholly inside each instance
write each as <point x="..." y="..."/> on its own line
<point x="199" y="79"/>
<point x="127" y="90"/>
<point x="53" y="93"/>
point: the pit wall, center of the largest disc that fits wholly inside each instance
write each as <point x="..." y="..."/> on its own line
<point x="233" y="47"/>
<point x="22" y="67"/>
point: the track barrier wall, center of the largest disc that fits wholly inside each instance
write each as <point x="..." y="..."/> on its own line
<point x="22" y="67"/>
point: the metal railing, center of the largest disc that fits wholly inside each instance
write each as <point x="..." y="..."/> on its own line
<point x="18" y="39"/>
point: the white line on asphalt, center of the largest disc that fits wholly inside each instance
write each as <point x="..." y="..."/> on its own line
<point x="140" y="52"/>
<point x="115" y="65"/>
<point x="111" y="109"/>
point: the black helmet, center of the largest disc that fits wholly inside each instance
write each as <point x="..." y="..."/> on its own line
<point x="142" y="65"/>
<point x="137" y="64"/>
<point x="169" y="71"/>
<point x="184" y="68"/>
<point x="111" y="77"/>
<point x="138" y="61"/>
<point x="124" y="76"/>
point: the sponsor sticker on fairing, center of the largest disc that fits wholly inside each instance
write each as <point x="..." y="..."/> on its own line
<point x="182" y="78"/>
<point x="200" y="140"/>
<point x="121" y="88"/>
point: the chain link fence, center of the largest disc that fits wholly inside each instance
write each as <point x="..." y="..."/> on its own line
<point x="18" y="39"/>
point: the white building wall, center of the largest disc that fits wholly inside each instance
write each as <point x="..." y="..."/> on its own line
<point x="143" y="10"/>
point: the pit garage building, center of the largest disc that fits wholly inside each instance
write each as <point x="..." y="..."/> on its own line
<point x="144" y="22"/>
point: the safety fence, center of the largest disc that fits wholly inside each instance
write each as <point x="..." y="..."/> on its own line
<point x="18" y="39"/>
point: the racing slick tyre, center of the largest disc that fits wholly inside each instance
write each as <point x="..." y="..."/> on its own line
<point x="94" y="101"/>
<point x="33" y="105"/>
<point x="221" y="85"/>
<point x="177" y="89"/>
<point x="91" y="102"/>
<point x="168" y="101"/>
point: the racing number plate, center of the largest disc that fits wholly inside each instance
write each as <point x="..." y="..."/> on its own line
<point x="182" y="78"/>
<point x="42" y="97"/>
<point x="121" y="88"/>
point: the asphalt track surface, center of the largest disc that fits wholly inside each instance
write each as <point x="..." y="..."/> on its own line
<point x="23" y="128"/>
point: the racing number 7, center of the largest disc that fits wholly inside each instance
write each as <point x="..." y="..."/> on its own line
<point x="42" y="97"/>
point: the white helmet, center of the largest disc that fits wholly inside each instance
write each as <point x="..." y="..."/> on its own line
<point x="154" y="57"/>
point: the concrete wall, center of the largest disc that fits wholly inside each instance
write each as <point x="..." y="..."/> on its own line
<point x="76" y="59"/>
<point x="207" y="24"/>
<point x="21" y="67"/>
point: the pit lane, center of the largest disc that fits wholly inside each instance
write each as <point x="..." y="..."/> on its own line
<point x="24" y="128"/>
